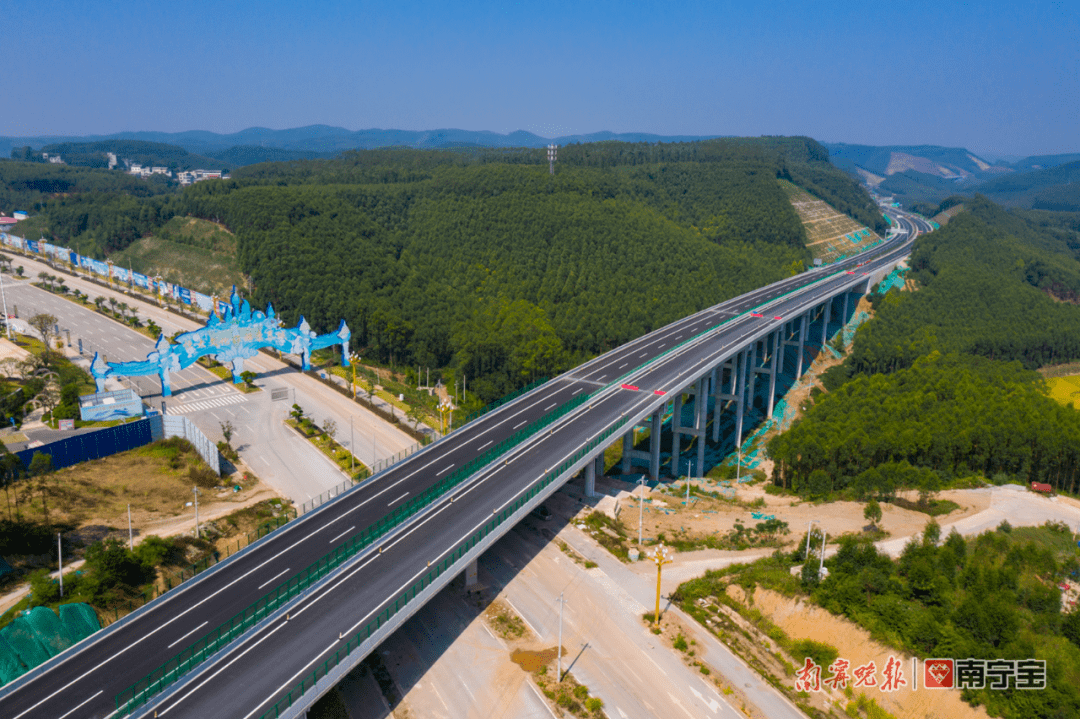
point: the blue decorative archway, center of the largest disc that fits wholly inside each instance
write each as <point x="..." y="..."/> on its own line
<point x="237" y="336"/>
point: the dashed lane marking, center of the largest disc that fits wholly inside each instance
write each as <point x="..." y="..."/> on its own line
<point x="206" y="404"/>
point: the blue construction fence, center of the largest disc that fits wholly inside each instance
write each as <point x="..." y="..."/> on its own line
<point x="113" y="440"/>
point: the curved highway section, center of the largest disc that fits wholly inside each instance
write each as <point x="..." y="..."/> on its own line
<point x="246" y="679"/>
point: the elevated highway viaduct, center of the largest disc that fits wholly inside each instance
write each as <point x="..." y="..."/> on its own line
<point x="267" y="631"/>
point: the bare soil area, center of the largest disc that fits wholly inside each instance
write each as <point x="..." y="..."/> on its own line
<point x="806" y="621"/>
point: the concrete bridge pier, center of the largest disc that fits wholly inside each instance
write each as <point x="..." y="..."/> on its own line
<point x="777" y="350"/>
<point x="591" y="470"/>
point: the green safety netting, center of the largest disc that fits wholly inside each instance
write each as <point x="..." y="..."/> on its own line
<point x="79" y="620"/>
<point x="10" y="666"/>
<point x="38" y="634"/>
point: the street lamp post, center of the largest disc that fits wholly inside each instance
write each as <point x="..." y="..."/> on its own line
<point x="808" y="525"/>
<point x="353" y="359"/>
<point x="196" y="490"/>
<point x="3" y="294"/>
<point x="641" y="508"/>
<point x="661" y="556"/>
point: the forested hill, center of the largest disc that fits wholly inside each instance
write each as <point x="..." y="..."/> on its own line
<point x="999" y="284"/>
<point x="481" y="262"/>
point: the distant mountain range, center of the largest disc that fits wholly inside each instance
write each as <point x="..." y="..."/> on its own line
<point x="321" y="140"/>
<point x="928" y="174"/>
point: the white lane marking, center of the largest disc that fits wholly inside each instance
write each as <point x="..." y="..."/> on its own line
<point x="368" y="561"/>
<point x="484" y="445"/>
<point x="542" y="700"/>
<point x="81" y="705"/>
<point x="527" y="622"/>
<point x="712" y="704"/>
<point x="293" y="678"/>
<point x="446" y="469"/>
<point x="219" y="671"/>
<point x="572" y="394"/>
<point x="190" y="633"/>
<point x="655" y="664"/>
<point x="622" y="365"/>
<point x="643" y="354"/>
<point x="269" y="581"/>
<point x="342" y="534"/>
<point x="550" y="406"/>
<point x="398" y="499"/>
<point x="520" y="424"/>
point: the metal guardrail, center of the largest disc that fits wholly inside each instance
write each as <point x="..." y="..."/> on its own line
<point x="504" y="400"/>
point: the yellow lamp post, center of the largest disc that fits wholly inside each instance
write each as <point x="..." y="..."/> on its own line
<point x="661" y="556"/>
<point x="353" y="359"/>
<point x="444" y="407"/>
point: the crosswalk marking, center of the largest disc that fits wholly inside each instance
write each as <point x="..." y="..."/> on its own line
<point x="206" y="404"/>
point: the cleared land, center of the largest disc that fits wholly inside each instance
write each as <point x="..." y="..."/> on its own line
<point x="830" y="235"/>
<point x="197" y="254"/>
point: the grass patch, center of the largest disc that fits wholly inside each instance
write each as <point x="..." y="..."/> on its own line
<point x="348" y="464"/>
<point x="506" y="623"/>
<point x="190" y="252"/>
<point x="610" y="534"/>
<point x="933" y="507"/>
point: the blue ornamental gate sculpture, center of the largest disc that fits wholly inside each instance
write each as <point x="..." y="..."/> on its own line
<point x="236" y="336"/>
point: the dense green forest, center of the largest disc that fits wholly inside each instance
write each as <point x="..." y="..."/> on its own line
<point x="992" y="283"/>
<point x="31" y="186"/>
<point x="480" y="261"/>
<point x="944" y="417"/>
<point x="939" y="384"/>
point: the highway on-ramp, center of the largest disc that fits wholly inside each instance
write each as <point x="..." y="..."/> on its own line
<point x="255" y="672"/>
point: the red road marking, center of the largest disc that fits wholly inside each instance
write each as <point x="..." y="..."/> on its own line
<point x="756" y="314"/>
<point x="630" y="387"/>
<point x="850" y="272"/>
<point x="659" y="391"/>
<point x="778" y="317"/>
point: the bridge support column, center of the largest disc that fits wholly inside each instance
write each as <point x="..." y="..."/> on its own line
<point x="590" y="479"/>
<point x="825" y="323"/>
<point x="701" y="421"/>
<point x="655" y="422"/>
<point x="772" y="372"/>
<point x="753" y="374"/>
<point x="718" y="393"/>
<point x="676" y="433"/>
<point x="471" y="575"/>
<point x="802" y="342"/>
<point x="627" y="448"/>
<point x="740" y="395"/>
<point x="843" y="317"/>
<point x="782" y="335"/>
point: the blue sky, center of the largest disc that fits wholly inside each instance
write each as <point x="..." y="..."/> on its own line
<point x="996" y="77"/>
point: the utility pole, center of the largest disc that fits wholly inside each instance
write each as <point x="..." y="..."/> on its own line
<point x="562" y="602"/>
<point x="688" y="482"/>
<point x="3" y="294"/>
<point x="196" y="512"/>
<point x="352" y="446"/>
<point x="641" y="508"/>
<point x="131" y="535"/>
<point x="821" y="564"/>
<point x="808" y="525"/>
<point x="60" y="562"/>
<point x="553" y="151"/>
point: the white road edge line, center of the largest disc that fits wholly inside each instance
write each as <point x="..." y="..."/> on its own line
<point x="82" y="705"/>
<point x="398" y="499"/>
<point x="219" y="671"/>
<point x="342" y="534"/>
<point x="190" y="633"/>
<point x="294" y="677"/>
<point x="271" y="580"/>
